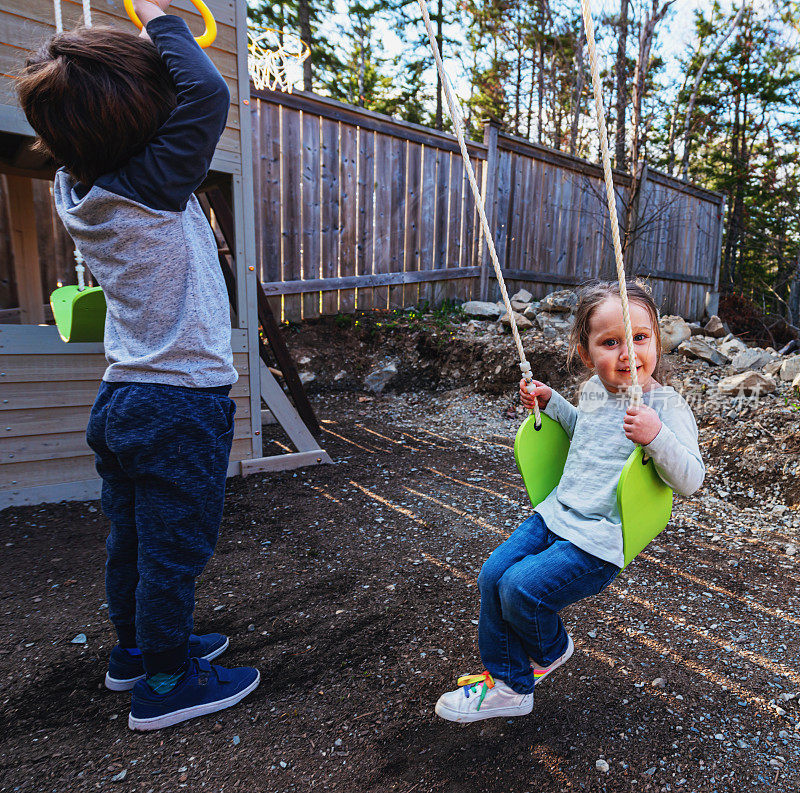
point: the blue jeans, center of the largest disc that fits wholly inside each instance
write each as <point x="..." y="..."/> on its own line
<point x="162" y="452"/>
<point x="524" y="584"/>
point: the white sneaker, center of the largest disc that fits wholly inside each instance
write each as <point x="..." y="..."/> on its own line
<point x="482" y="697"/>
<point x="541" y="672"/>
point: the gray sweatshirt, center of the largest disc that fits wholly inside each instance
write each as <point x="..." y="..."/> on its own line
<point x="148" y="243"/>
<point x="583" y="506"/>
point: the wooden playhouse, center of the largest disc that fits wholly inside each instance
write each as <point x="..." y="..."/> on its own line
<point x="46" y="386"/>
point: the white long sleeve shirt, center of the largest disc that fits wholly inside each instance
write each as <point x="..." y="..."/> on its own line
<point x="582" y="508"/>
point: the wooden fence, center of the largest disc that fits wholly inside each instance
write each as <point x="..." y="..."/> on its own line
<point x="356" y="210"/>
<point x="359" y="211"/>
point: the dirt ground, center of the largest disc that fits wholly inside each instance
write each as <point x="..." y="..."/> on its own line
<point x="352" y="588"/>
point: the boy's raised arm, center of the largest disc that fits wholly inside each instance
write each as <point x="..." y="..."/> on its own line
<point x="171" y="167"/>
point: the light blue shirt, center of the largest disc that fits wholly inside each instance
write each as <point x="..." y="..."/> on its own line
<point x="582" y="508"/>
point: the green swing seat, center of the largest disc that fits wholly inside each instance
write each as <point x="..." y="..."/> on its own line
<point x="643" y="499"/>
<point x="80" y="314"/>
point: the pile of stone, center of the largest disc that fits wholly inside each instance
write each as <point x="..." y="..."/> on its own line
<point x="753" y="369"/>
<point x="553" y="315"/>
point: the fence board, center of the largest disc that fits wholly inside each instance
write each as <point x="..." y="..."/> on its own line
<point x="312" y="210"/>
<point x="348" y="207"/>
<point x="268" y="214"/>
<point x="383" y="215"/>
<point x="427" y="218"/>
<point x="398" y="218"/>
<point x="330" y="211"/>
<point x="455" y="219"/>
<point x="440" y="224"/>
<point x="366" y="213"/>
<point x="291" y="176"/>
<point x="412" y="263"/>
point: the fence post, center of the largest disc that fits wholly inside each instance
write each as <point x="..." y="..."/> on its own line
<point x="491" y="129"/>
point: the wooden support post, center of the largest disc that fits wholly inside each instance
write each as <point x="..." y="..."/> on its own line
<point x="25" y="249"/>
<point x="491" y="130"/>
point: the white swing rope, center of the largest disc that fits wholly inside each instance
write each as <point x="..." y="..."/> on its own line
<point x="636" y="389"/>
<point x="454" y="111"/>
<point x="453" y="108"/>
<point x="87" y="20"/>
<point x="87" y="14"/>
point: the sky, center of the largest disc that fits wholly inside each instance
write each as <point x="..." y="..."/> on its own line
<point x="675" y="35"/>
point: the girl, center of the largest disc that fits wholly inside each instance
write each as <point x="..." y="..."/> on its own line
<point x="571" y="547"/>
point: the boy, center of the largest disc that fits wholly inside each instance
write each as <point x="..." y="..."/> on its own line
<point x="133" y="123"/>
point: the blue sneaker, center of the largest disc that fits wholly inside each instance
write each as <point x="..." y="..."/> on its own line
<point x="204" y="689"/>
<point x="125" y="670"/>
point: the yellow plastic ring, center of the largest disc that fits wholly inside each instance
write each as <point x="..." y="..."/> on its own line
<point x="210" y="33"/>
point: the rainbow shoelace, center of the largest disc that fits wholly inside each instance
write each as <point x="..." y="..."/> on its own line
<point x="471" y="683"/>
<point x="539" y="673"/>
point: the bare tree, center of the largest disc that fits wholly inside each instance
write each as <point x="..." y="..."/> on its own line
<point x="621" y="71"/>
<point x="687" y="122"/>
<point x="578" y="90"/>
<point x="638" y="169"/>
<point x="304" y="23"/>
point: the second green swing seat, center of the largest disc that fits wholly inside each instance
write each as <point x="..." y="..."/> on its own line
<point x="643" y="499"/>
<point x="80" y="314"/>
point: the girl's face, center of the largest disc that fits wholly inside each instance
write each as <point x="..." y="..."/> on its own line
<point x="607" y="353"/>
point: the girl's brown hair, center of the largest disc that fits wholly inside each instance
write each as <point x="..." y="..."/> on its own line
<point x="593" y="295"/>
<point x="95" y="97"/>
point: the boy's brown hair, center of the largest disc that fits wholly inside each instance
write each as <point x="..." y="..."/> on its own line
<point x="591" y="296"/>
<point x="95" y="97"/>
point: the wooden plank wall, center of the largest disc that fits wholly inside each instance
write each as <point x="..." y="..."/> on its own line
<point x="342" y="191"/>
<point x="44" y="441"/>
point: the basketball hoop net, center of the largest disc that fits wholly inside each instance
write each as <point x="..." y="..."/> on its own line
<point x="275" y="58"/>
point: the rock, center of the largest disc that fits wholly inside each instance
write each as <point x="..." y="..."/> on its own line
<point x="601" y="765"/>
<point x="523" y="296"/>
<point x="304" y="360"/>
<point x="236" y="740"/>
<point x="752" y="358"/>
<point x="340" y="375"/>
<point x="479" y="309"/>
<point x="518" y="305"/>
<point x="379" y="378"/>
<point x="747" y="384"/>
<point x="697" y="329"/>
<point x="796" y="385"/>
<point x="554" y="323"/>
<point x="120" y="777"/>
<point x="790" y="368"/>
<point x="730" y="346"/>
<point x="530" y="311"/>
<point x="697" y="348"/>
<point x="307" y="377"/>
<point x="674" y="330"/>
<point x="791" y="550"/>
<point x="79" y="639"/>
<point x="523" y="323"/>
<point x="715" y="328"/>
<point x="659" y="682"/>
<point x="773" y="367"/>
<point x="563" y="301"/>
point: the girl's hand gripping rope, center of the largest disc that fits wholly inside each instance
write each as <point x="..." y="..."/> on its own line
<point x="641" y="424"/>
<point x="530" y="392"/>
